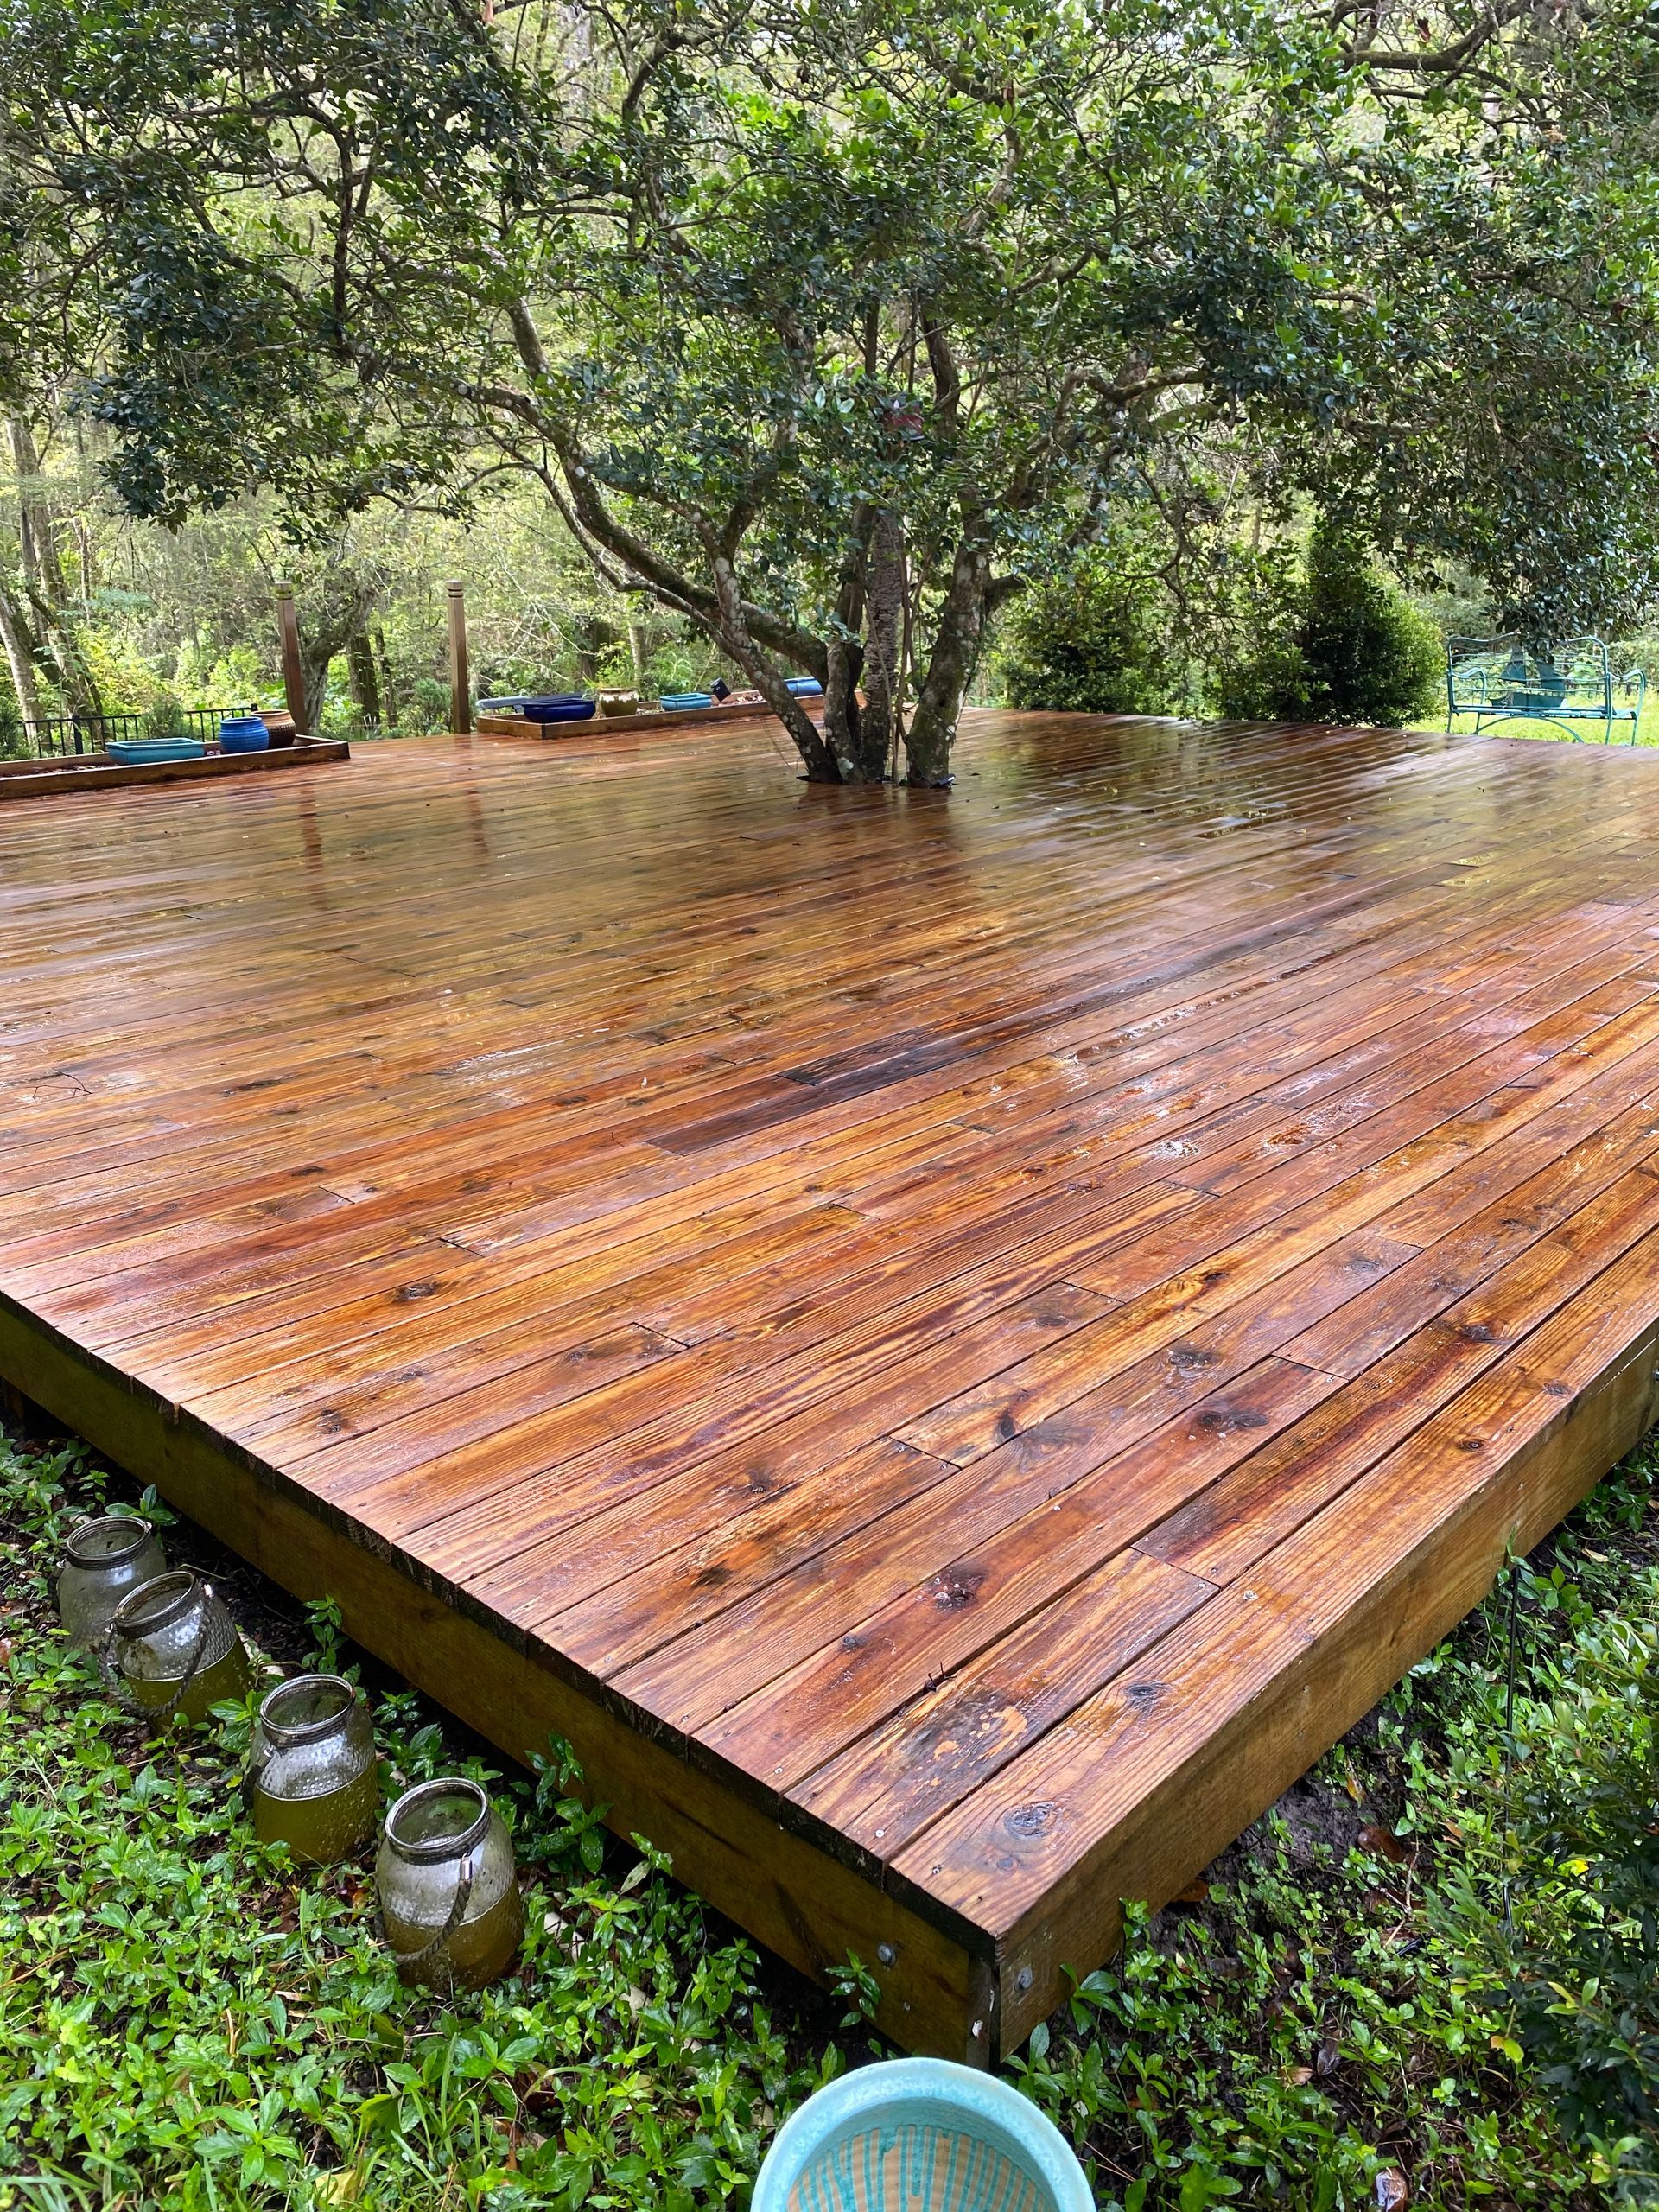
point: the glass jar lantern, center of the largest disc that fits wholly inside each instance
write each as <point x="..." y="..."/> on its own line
<point x="312" y="1777"/>
<point x="175" y="1649"/>
<point x="103" y="1559"/>
<point x="448" y="1888"/>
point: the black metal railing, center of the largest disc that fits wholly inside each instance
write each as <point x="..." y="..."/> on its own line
<point x="56" y="735"/>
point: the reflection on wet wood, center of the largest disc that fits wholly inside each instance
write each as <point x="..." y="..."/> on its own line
<point x="951" y="1344"/>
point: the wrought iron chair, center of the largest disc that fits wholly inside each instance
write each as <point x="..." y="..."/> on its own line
<point x="1503" y="679"/>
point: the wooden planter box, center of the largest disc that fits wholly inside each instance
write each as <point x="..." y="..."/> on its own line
<point x="85" y="771"/>
<point x="653" y="718"/>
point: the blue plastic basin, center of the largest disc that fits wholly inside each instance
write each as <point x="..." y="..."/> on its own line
<point x="920" y="2135"/>
<point x="805" y="687"/>
<point x="683" y="702"/>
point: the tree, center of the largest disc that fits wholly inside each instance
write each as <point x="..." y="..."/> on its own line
<point x="830" y="328"/>
<point x="44" y="618"/>
<point x="333" y="605"/>
<point x="47" y="336"/>
<point x="42" y="614"/>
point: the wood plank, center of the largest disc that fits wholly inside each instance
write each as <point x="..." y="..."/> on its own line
<point x="1268" y="1672"/>
<point x="834" y="1299"/>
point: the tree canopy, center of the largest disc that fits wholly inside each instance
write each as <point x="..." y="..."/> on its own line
<point x="831" y="326"/>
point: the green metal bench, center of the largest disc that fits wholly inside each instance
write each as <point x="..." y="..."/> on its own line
<point x="1503" y="679"/>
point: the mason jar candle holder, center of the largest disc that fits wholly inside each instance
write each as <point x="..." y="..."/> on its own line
<point x="448" y="1888"/>
<point x="174" y="1648"/>
<point x="313" y="1783"/>
<point x="103" y="1559"/>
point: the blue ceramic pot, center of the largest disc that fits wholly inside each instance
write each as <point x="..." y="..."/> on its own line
<point x="805" y="687"/>
<point x="243" y="733"/>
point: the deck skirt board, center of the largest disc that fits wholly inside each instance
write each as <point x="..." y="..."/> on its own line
<point x="949" y="1345"/>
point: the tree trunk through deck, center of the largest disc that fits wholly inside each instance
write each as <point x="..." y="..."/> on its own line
<point x="824" y="764"/>
<point x="949" y="669"/>
<point x="883" y="611"/>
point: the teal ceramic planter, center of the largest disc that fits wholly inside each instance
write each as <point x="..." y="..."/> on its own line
<point x="135" y="751"/>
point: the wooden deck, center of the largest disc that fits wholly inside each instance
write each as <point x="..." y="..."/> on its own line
<point x="950" y="1344"/>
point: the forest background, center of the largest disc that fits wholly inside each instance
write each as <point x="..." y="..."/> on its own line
<point x="158" y="619"/>
<point x="1126" y="355"/>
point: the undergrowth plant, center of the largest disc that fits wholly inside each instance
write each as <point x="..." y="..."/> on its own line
<point x="1454" y="2003"/>
<point x="187" y="2020"/>
<point x="1425" y="1979"/>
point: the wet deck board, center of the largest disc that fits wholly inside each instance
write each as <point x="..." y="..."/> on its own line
<point x="952" y="1344"/>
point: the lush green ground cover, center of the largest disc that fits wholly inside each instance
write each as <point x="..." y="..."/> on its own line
<point x="1647" y="730"/>
<point x="1426" y="1979"/>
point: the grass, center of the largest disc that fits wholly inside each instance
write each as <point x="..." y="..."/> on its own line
<point x="1647" y="729"/>
<point x="1425" y="1979"/>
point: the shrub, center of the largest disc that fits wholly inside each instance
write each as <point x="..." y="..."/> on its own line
<point x="1339" y="643"/>
<point x="1567" y="1919"/>
<point x="1370" y="656"/>
<point x="1537" y="1758"/>
<point x="166" y="718"/>
<point x="427" y="708"/>
<point x="1098" y="640"/>
<point x="1587" y="1976"/>
<point x="340" y="716"/>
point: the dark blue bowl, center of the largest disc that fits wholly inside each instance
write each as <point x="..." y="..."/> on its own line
<point x="564" y="707"/>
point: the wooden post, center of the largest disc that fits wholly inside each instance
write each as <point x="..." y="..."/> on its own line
<point x="461" y="686"/>
<point x="293" y="674"/>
